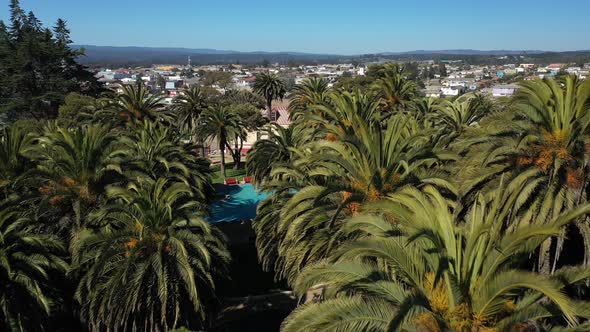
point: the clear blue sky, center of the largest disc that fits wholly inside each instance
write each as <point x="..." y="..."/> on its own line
<point x="327" y="26"/>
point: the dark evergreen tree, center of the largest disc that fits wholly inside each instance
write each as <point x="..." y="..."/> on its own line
<point x="61" y="32"/>
<point x="37" y="67"/>
<point x="33" y="23"/>
<point x="17" y="19"/>
<point x="442" y="69"/>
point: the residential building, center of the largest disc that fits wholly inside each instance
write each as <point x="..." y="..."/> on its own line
<point x="432" y="91"/>
<point x="504" y="90"/>
<point x="451" y="91"/>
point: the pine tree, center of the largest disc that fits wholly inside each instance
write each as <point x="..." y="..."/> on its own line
<point x="17" y="19"/>
<point x="61" y="32"/>
<point x="37" y="67"/>
<point x="33" y="22"/>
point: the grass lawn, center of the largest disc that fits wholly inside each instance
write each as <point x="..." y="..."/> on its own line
<point x="229" y="172"/>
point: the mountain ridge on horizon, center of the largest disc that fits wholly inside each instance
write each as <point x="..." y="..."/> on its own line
<point x="196" y="50"/>
<point x="143" y="55"/>
<point x="458" y="51"/>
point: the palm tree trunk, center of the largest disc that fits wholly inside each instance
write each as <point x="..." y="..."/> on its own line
<point x="584" y="230"/>
<point x="232" y="153"/>
<point x="269" y="107"/>
<point x="558" y="249"/>
<point x="545" y="257"/>
<point x="240" y="152"/>
<point x="202" y="148"/>
<point x="237" y="152"/>
<point x="76" y="206"/>
<point x="222" y="151"/>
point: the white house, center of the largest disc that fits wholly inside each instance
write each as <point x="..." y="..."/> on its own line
<point x="432" y="91"/>
<point x="504" y="90"/>
<point x="299" y="79"/>
<point x="451" y="91"/>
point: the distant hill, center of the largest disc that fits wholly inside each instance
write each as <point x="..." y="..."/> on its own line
<point x="131" y="55"/>
<point x="468" y="52"/>
<point x="140" y="56"/>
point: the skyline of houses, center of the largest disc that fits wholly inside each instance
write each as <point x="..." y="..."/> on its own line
<point x="460" y="78"/>
<point x="495" y="80"/>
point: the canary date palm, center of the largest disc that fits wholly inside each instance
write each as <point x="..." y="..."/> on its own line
<point x="153" y="265"/>
<point x="31" y="263"/>
<point x="271" y="87"/>
<point x="135" y="102"/>
<point x="415" y="267"/>
<point x="539" y="145"/>
<point x="360" y="160"/>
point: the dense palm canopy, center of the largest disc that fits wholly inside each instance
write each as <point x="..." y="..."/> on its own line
<point x="154" y="268"/>
<point x="320" y="183"/>
<point x="539" y="145"/>
<point x="406" y="213"/>
<point x="153" y="150"/>
<point x="423" y="108"/>
<point x="72" y="165"/>
<point x="103" y="200"/>
<point x="480" y="252"/>
<point x="60" y="194"/>
<point x="430" y="272"/>
<point x="310" y="92"/>
<point x="135" y="102"/>
<point x="30" y="267"/>
<point x="16" y="144"/>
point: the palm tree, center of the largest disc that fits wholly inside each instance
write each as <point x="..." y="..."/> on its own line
<point x="273" y="151"/>
<point x="423" y="108"/>
<point x="540" y="145"/>
<point x="189" y="106"/>
<point x="136" y="103"/>
<point x="395" y="90"/>
<point x="153" y="150"/>
<point x="358" y="161"/>
<point x="72" y="170"/>
<point x="269" y="86"/>
<point x="154" y="264"/>
<point x="345" y="114"/>
<point x="30" y="265"/>
<point x="453" y="117"/>
<point x="312" y="91"/>
<point x="221" y="124"/>
<point x="16" y="144"/>
<point x="431" y="272"/>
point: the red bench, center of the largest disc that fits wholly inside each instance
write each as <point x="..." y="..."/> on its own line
<point x="231" y="181"/>
<point x="247" y="179"/>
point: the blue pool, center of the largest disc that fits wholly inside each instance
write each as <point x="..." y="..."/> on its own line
<point x="241" y="204"/>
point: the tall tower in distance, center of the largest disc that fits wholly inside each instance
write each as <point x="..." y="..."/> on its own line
<point x="189" y="61"/>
